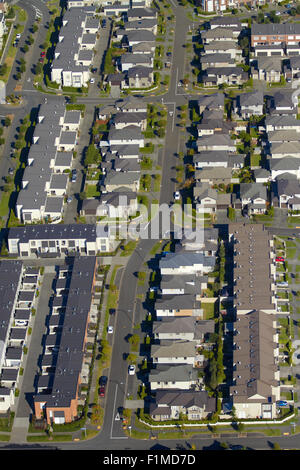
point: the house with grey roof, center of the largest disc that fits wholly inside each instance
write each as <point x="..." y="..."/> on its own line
<point x="254" y="197"/>
<point x="223" y="47"/>
<point x="216" y="60"/>
<point x="186" y="263"/>
<point x="174" y="352"/>
<point x="114" y="180"/>
<point x="181" y="377"/>
<point x="178" y="306"/>
<point x="249" y="104"/>
<point x="274" y="122"/>
<point x="216" y="142"/>
<point x="215" y="101"/>
<point x="288" y="193"/>
<point x="121" y="120"/>
<point x="130" y="60"/>
<point x="78" y="34"/>
<point x="129" y="135"/>
<point x="268" y="69"/>
<point x="141" y="35"/>
<point x="140" y="76"/>
<point x="215" y="76"/>
<point x="182" y="328"/>
<point x="171" y="404"/>
<point x="44" y="184"/>
<point x="283" y="103"/>
<point x="59" y="240"/>
<point x="137" y="14"/>
<point x="286" y="165"/>
<point x="112" y="205"/>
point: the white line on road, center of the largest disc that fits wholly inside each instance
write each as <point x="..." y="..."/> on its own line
<point x="112" y="421"/>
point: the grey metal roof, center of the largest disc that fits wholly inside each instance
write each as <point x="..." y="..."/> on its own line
<point x="56" y="232"/>
<point x="10" y="275"/>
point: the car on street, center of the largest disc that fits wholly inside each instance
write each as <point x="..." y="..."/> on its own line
<point x="110" y="329"/>
<point x="177" y="195"/>
<point x="131" y="369"/>
<point x="279" y="259"/>
<point x="103" y="23"/>
<point x="92" y="80"/>
<point x="74" y="176"/>
<point x="103" y="381"/>
<point x="179" y="84"/>
<point x="153" y="289"/>
<point x="10" y="171"/>
<point x="43" y="54"/>
<point x="169" y="54"/>
<point x="18" y="36"/>
<point x="102" y="392"/>
<point x="41" y="59"/>
<point x="70" y="199"/>
<point x="171" y="113"/>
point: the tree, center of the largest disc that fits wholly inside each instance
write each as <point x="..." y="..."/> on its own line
<point x="72" y="99"/>
<point x="25" y="48"/>
<point x="82" y="195"/>
<point x="3" y="69"/>
<point x="38" y="68"/>
<point x="7" y="121"/>
<point x="34" y="28"/>
<point x="22" y="68"/>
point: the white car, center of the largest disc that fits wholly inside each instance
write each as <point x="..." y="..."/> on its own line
<point x="92" y="80"/>
<point x="131" y="369"/>
<point x="110" y="329"/>
<point x="18" y="36"/>
<point x="177" y="195"/>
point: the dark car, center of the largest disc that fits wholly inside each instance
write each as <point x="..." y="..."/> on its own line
<point x="103" y="381"/>
<point x="103" y="23"/>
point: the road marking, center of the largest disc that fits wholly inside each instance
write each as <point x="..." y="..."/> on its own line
<point x="112" y="422"/>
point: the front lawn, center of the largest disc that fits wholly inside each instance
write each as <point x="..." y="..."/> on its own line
<point x="92" y="191"/>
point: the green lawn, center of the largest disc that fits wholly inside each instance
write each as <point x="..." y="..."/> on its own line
<point x="208" y="310"/>
<point x="4" y="209"/>
<point x="291" y="253"/>
<point x="92" y="191"/>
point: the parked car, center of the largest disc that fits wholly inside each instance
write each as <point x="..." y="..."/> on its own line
<point x="102" y="392"/>
<point x="70" y="199"/>
<point x="103" y="23"/>
<point x="74" y="176"/>
<point x="110" y="329"/>
<point x="92" y="80"/>
<point x="18" y="36"/>
<point x="43" y="54"/>
<point x="131" y="369"/>
<point x="177" y="195"/>
<point x="281" y="403"/>
<point x="41" y="59"/>
<point x="279" y="259"/>
<point x="103" y="381"/>
<point x="10" y="171"/>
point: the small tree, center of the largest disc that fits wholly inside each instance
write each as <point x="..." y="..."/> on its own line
<point x="7" y="121"/>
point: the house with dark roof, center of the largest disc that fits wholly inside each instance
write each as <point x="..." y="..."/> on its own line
<point x="249" y="104"/>
<point x="171" y="404"/>
<point x="215" y="76"/>
<point x="256" y="374"/>
<point x="254" y="197"/>
<point x="57" y="401"/>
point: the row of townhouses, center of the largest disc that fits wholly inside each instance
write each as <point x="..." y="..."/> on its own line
<point x="137" y="39"/>
<point x="75" y="49"/>
<point x="46" y="180"/>
<point x="180" y="333"/>
<point x="221" y="53"/>
<point x="18" y="287"/>
<point x="65" y="360"/>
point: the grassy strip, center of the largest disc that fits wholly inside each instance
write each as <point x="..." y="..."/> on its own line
<point x="45" y="438"/>
<point x="4" y="437"/>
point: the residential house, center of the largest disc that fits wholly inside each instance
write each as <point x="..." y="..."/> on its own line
<point x="186" y="263"/>
<point x="140" y="76"/>
<point x="256" y="377"/>
<point x="215" y="76"/>
<point x="286" y="165"/>
<point x="254" y="197"/>
<point x="275" y="33"/>
<point x="59" y="239"/>
<point x="249" y="104"/>
<point x="171" y="404"/>
<point x="268" y="69"/>
<point x="216" y="142"/>
<point x="181" y="377"/>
